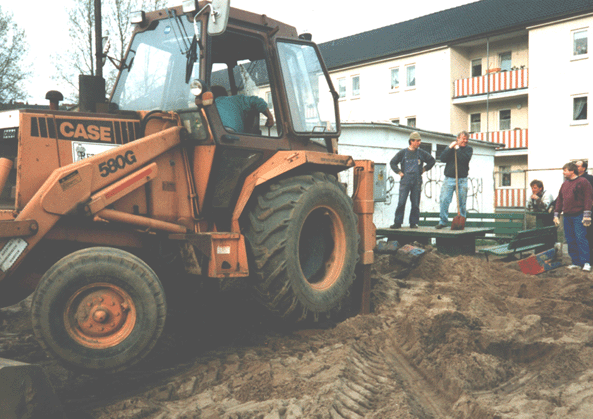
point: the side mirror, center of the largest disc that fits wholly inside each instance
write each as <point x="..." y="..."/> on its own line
<point x="219" y="17"/>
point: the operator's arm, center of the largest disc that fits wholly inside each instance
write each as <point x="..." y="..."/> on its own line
<point x="257" y="103"/>
<point x="558" y="208"/>
<point x="559" y="203"/>
<point x="588" y="198"/>
<point x="396" y="160"/>
<point x="465" y="154"/>
<point x="428" y="159"/>
<point x="537" y="204"/>
<point x="547" y="199"/>
<point x="446" y="154"/>
<point x="268" y="114"/>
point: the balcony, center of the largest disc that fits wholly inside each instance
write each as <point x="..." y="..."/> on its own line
<point x="510" y="198"/>
<point x="516" y="138"/>
<point x="503" y="83"/>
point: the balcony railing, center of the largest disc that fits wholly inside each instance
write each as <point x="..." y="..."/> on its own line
<point x="509" y="198"/>
<point x="516" y="138"/>
<point x="493" y="82"/>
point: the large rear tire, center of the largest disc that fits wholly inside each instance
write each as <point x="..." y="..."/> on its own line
<point x="304" y="245"/>
<point x="99" y="310"/>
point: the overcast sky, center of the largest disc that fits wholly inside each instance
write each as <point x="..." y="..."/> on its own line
<point x="45" y="24"/>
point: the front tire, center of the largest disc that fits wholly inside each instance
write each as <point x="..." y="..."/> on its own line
<point x="99" y="310"/>
<point x="304" y="245"/>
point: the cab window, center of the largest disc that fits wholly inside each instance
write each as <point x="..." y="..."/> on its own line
<point x="239" y="80"/>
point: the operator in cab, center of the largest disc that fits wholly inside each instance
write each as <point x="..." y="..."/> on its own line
<point x="233" y="110"/>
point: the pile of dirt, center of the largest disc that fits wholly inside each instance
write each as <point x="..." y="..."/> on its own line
<point x="455" y="337"/>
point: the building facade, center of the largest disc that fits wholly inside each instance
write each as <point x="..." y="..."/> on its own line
<point x="520" y="80"/>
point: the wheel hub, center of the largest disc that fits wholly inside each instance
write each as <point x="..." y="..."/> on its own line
<point x="100" y="315"/>
<point x="322" y="248"/>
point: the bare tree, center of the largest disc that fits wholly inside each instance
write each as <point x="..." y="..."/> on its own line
<point x="13" y="47"/>
<point x="119" y="28"/>
<point x="80" y="59"/>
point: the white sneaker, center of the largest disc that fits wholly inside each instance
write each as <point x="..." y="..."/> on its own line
<point x="575" y="267"/>
<point x="587" y="267"/>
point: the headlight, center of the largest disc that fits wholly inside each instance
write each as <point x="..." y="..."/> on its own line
<point x="196" y="87"/>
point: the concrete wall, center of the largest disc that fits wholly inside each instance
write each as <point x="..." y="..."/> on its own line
<point x="380" y="141"/>
<point x="428" y="101"/>
<point x="556" y="77"/>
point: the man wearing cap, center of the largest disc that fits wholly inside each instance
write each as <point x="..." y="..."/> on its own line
<point x="414" y="161"/>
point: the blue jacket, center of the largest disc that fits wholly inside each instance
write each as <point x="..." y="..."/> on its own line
<point x="233" y="109"/>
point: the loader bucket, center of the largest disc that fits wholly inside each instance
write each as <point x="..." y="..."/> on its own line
<point x="25" y="392"/>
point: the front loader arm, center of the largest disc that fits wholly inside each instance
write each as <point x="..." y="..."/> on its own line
<point x="71" y="186"/>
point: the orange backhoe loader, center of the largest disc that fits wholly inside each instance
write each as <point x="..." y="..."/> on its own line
<point x="111" y="203"/>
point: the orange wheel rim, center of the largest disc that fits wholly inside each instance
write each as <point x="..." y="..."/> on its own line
<point x="334" y="259"/>
<point x="100" y="315"/>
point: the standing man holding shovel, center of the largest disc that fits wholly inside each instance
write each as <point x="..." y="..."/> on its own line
<point x="456" y="158"/>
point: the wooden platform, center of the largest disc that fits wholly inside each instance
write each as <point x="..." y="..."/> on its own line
<point x="450" y="242"/>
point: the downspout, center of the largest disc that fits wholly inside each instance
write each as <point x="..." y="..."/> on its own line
<point x="488" y="89"/>
<point x="488" y="115"/>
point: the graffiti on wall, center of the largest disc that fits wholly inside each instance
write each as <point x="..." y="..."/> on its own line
<point x="435" y="178"/>
<point x="389" y="188"/>
<point x="431" y="188"/>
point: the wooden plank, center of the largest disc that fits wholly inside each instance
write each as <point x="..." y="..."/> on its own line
<point x="431" y="232"/>
<point x="541" y="236"/>
<point x="505" y="225"/>
<point x="504" y="250"/>
<point x="486" y="215"/>
<point x="497" y="223"/>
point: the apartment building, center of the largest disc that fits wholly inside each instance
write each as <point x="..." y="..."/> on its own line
<point x="512" y="72"/>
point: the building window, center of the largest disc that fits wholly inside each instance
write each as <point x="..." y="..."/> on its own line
<point x="505" y="175"/>
<point x="395" y="121"/>
<point x="412" y="122"/>
<point x="505" y="61"/>
<point x="394" y="78"/>
<point x="440" y="149"/>
<point x="504" y="120"/>
<point x="579" y="108"/>
<point x="411" y="75"/>
<point x="342" y="88"/>
<point x="426" y="147"/>
<point x="355" y="85"/>
<point x="477" y="67"/>
<point x="269" y="100"/>
<point x="475" y="122"/>
<point x="579" y="43"/>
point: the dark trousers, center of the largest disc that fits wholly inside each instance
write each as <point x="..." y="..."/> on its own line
<point x="409" y="185"/>
<point x="590" y="240"/>
<point x="575" y="234"/>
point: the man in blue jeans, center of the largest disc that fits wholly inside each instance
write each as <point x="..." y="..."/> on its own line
<point x="464" y="155"/>
<point x="414" y="161"/>
<point x="574" y="201"/>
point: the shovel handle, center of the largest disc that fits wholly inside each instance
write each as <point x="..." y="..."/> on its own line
<point x="457" y="185"/>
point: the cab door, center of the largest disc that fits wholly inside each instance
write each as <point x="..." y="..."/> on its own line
<point x="239" y="63"/>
